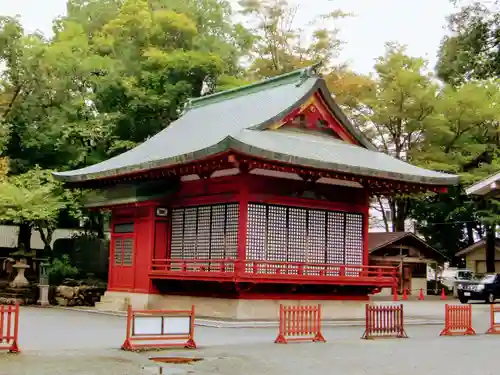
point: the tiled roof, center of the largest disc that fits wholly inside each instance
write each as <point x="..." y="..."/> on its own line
<point x="238" y="120"/>
<point x="475" y="246"/>
<point x="379" y="240"/>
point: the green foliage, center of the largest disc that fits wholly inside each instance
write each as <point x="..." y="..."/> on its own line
<point x="31" y="197"/>
<point x="114" y="73"/>
<point x="472" y="49"/>
<point x="279" y="46"/>
<point x="445" y="219"/>
<point x="60" y="269"/>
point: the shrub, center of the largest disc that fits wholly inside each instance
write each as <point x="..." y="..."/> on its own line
<point x="60" y="269"/>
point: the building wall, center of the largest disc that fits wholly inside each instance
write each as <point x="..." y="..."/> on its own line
<point x="476" y="260"/>
<point x="240" y="189"/>
<point x="8" y="236"/>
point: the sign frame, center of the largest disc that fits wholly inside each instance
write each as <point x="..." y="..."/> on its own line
<point x="159" y="329"/>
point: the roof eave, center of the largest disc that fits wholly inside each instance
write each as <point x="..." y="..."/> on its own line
<point x="485" y="186"/>
<point x="341" y="168"/>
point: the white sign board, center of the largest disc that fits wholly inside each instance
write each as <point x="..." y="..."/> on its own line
<point x="176" y="325"/>
<point x="496" y="317"/>
<point x="147" y="325"/>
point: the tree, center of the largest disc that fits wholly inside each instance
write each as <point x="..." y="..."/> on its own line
<point x="471" y="51"/>
<point x="280" y="46"/>
<point x="114" y="73"/>
<point x="33" y="200"/>
<point x="446" y="220"/>
<point x="160" y="53"/>
<point x="394" y="114"/>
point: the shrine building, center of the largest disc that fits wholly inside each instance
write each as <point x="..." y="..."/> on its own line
<point x="253" y="196"/>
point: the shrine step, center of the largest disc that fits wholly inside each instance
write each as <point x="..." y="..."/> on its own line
<point x="112" y="303"/>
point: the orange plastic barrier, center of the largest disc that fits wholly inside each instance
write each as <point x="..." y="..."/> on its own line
<point x="9" y="328"/>
<point x="494" y="320"/>
<point x="159" y="329"/>
<point x="458" y="321"/>
<point x="300" y="323"/>
<point x="384" y="321"/>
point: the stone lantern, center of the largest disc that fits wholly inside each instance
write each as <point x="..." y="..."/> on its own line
<point x="43" y="285"/>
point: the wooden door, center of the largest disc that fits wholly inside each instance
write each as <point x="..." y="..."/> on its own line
<point x="122" y="258"/>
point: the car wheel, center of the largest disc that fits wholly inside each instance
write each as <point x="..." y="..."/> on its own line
<point x="490" y="298"/>
<point x="463" y="300"/>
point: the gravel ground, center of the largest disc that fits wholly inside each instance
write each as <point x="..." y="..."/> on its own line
<point x="67" y="342"/>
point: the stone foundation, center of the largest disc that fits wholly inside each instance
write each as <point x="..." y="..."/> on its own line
<point x="227" y="309"/>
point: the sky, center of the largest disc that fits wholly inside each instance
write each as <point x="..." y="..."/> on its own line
<point x="419" y="24"/>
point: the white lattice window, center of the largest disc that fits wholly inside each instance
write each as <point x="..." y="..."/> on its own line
<point x="205" y="232"/>
<point x="292" y="234"/>
<point x="354" y="238"/>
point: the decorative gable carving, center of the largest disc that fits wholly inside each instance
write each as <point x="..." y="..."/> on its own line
<point x="315" y="116"/>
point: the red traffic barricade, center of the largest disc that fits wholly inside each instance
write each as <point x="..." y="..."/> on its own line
<point x="9" y="328"/>
<point x="384" y="321"/>
<point x="300" y="323"/>
<point x="457" y="321"/>
<point x="159" y="329"/>
<point x="494" y="320"/>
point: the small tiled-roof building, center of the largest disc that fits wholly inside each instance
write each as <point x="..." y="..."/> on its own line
<point x="407" y="250"/>
<point x="475" y="256"/>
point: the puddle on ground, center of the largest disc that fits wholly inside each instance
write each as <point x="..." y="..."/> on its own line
<point x="175" y="360"/>
<point x="161" y="370"/>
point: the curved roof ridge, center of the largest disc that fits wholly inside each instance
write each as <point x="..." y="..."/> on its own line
<point x="300" y="75"/>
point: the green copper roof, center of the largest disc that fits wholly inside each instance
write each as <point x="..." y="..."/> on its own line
<point x="237" y="119"/>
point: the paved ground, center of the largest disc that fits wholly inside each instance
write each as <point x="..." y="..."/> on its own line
<point x="77" y="343"/>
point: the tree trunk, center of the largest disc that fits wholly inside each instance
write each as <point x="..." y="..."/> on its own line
<point x="470" y="233"/>
<point x="24" y="237"/>
<point x="490" y="248"/>
<point x="46" y="237"/>
<point x="99" y="225"/>
<point x="399" y="215"/>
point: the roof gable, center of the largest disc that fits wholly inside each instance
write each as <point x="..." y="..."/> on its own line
<point x="478" y="245"/>
<point x="314" y="116"/>
<point x="380" y="240"/>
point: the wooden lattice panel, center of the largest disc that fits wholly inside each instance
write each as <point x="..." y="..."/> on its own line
<point x="297" y="234"/>
<point x="277" y="233"/>
<point x="217" y="238"/>
<point x="118" y="252"/>
<point x="354" y="241"/>
<point x="232" y="225"/>
<point x="190" y="231"/>
<point x="280" y="233"/>
<point x="335" y="239"/>
<point x="176" y="242"/>
<point x="256" y="233"/>
<point x="316" y="234"/>
<point x="128" y="251"/>
<point x="205" y="232"/>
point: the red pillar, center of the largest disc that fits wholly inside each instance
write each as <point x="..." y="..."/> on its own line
<point x="144" y="250"/>
<point x="366" y="225"/>
<point x="243" y="219"/>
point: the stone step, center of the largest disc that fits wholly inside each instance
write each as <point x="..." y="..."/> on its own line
<point x="111" y="306"/>
<point x="112" y="303"/>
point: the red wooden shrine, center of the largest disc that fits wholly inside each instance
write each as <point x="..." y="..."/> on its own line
<point x="244" y="220"/>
